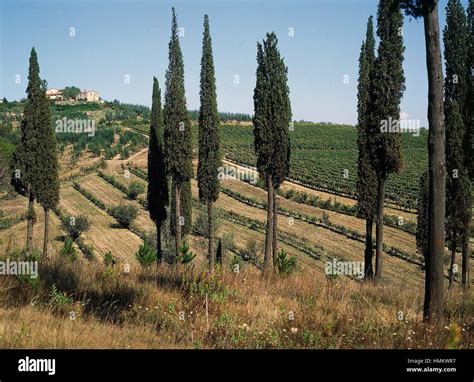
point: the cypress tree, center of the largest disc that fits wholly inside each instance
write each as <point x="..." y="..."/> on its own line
<point x="26" y="165"/>
<point x="157" y="193"/>
<point x="456" y="178"/>
<point x="433" y="308"/>
<point x="271" y="131"/>
<point x="209" y="146"/>
<point x="366" y="185"/>
<point x="386" y="90"/>
<point x="48" y="187"/>
<point x="469" y="135"/>
<point x="177" y="132"/>
<point x="455" y="92"/>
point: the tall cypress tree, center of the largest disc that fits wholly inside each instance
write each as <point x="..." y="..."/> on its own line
<point x="48" y="187"/>
<point x="433" y="307"/>
<point x="386" y="90"/>
<point x="177" y="132"/>
<point x="271" y="131"/>
<point x="457" y="183"/>
<point x="209" y="146"/>
<point x="469" y="135"/>
<point x="455" y="93"/>
<point x="26" y="171"/>
<point x="157" y="193"/>
<point x="366" y="186"/>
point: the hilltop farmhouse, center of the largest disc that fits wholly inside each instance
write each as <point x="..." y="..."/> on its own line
<point x="85" y="95"/>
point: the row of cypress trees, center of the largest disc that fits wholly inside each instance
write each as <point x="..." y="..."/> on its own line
<point x="381" y="85"/>
<point x="170" y="147"/>
<point x="34" y="165"/>
<point x="380" y="89"/>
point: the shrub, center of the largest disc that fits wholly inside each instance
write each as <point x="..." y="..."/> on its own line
<point x="146" y="255"/>
<point x="251" y="251"/>
<point x="124" y="213"/>
<point x="68" y="249"/>
<point x="326" y="221"/>
<point x="135" y="188"/>
<point x="109" y="259"/>
<point x="285" y="264"/>
<point x="185" y="256"/>
<point x="88" y="251"/>
<point x="200" y="226"/>
<point x="75" y="226"/>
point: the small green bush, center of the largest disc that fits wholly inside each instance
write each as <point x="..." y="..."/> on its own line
<point x="69" y="250"/>
<point x="134" y="189"/>
<point x="285" y="264"/>
<point x="124" y="213"/>
<point x="146" y="255"/>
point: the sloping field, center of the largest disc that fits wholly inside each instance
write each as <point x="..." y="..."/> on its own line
<point x="102" y="235"/>
<point x="15" y="237"/>
<point x="392" y="236"/>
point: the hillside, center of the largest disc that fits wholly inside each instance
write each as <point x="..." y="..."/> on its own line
<point x="317" y="224"/>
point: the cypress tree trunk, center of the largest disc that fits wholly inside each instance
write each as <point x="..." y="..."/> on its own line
<point x="210" y="251"/>
<point x="379" y="229"/>
<point x="451" y="267"/>
<point x="46" y="233"/>
<point x="434" y="304"/>
<point x="177" y="201"/>
<point x="159" y="253"/>
<point x="275" y="216"/>
<point x="31" y="222"/>
<point x="368" y="270"/>
<point x="465" y="261"/>
<point x="268" y="260"/>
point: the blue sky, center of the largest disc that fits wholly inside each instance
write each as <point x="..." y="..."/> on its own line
<point x="118" y="38"/>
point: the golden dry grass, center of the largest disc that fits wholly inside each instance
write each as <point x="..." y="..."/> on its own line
<point x="299" y="311"/>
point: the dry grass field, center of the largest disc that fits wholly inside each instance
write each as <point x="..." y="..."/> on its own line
<point x="88" y="304"/>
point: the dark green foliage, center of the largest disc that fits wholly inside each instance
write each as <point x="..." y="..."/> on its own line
<point x="125" y="214"/>
<point x="272" y="112"/>
<point x="386" y="90"/>
<point x="458" y="200"/>
<point x="177" y="126"/>
<point x="455" y="37"/>
<point x="68" y="249"/>
<point x="469" y="106"/>
<point x="26" y="164"/>
<point x="209" y="147"/>
<point x="146" y="255"/>
<point x="109" y="259"/>
<point x="185" y="256"/>
<point x="71" y="92"/>
<point x="75" y="225"/>
<point x="422" y="218"/>
<point x="458" y="194"/>
<point x="366" y="186"/>
<point x="157" y="193"/>
<point x="285" y="264"/>
<point x="134" y="189"/>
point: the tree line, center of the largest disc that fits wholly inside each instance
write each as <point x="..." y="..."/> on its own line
<point x="444" y="200"/>
<point x="170" y="154"/>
